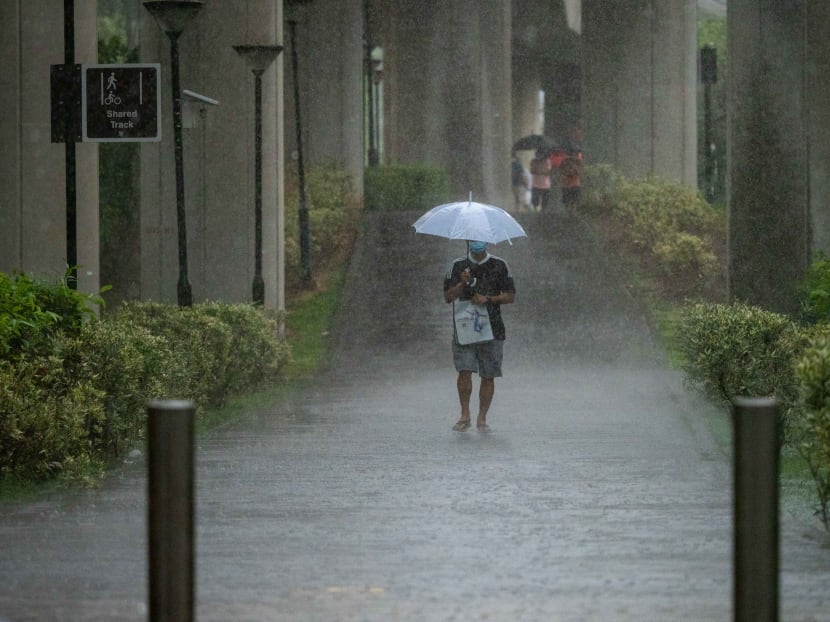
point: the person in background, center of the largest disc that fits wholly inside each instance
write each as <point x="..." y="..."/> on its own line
<point x="520" y="183"/>
<point x="567" y="162"/>
<point x="540" y="170"/>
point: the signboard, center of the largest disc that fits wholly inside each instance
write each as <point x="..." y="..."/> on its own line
<point x="121" y="103"/>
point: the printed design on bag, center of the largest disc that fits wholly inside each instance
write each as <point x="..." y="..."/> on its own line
<point x="475" y="316"/>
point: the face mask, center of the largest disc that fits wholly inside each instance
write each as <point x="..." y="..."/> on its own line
<point x="478" y="247"/>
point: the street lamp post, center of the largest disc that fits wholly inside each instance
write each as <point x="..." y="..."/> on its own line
<point x="305" y="240"/>
<point x="258" y="58"/>
<point x="172" y="16"/>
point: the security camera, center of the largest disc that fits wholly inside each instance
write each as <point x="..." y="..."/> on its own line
<point x="199" y="97"/>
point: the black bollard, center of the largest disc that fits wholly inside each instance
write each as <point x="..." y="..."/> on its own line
<point x="170" y="515"/>
<point x="757" y="428"/>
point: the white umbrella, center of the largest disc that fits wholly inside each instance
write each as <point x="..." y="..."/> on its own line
<point x="468" y="220"/>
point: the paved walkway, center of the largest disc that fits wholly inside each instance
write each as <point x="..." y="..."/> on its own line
<point x="600" y="494"/>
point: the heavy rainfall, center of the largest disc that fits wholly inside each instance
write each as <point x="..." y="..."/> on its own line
<point x="257" y="362"/>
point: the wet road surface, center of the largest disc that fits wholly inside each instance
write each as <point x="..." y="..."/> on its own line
<point x="600" y="494"/>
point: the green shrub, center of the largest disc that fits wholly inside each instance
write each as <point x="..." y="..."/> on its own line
<point x="815" y="291"/>
<point x="680" y="252"/>
<point x="653" y="209"/>
<point x="405" y="187"/>
<point x="46" y="417"/>
<point x="257" y="354"/>
<point x="128" y="365"/>
<point x="67" y="411"/>
<point x="333" y="213"/>
<point x="200" y="344"/>
<point x="33" y="312"/>
<point x="737" y="350"/>
<point x="812" y="427"/>
<point x="600" y="188"/>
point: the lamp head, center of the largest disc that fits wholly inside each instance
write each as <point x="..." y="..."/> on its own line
<point x="173" y="15"/>
<point x="258" y="57"/>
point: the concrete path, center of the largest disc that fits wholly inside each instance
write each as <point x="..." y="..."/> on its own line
<point x="600" y="494"/>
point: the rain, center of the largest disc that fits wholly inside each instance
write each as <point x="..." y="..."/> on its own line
<point x="254" y="153"/>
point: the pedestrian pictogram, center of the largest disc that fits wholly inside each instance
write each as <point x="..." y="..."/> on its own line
<point x="121" y="103"/>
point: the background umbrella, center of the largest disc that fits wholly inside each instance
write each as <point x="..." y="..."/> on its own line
<point x="468" y="220"/>
<point x="532" y="142"/>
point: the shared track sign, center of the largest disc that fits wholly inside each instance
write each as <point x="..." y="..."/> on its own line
<point x="121" y="103"/>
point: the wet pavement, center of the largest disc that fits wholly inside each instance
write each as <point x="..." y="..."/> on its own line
<point x="600" y="494"/>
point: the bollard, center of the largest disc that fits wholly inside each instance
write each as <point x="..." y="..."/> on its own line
<point x="170" y="512"/>
<point x="757" y="428"/>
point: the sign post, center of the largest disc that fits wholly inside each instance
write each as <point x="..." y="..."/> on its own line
<point x="121" y="103"/>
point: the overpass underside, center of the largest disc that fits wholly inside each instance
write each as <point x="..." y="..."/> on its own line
<point x="461" y="81"/>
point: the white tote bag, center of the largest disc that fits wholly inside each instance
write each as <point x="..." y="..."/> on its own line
<point x="472" y="322"/>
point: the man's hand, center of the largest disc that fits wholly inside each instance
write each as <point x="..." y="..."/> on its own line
<point x="479" y="299"/>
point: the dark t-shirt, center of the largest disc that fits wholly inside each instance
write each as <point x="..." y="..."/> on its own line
<point x="492" y="277"/>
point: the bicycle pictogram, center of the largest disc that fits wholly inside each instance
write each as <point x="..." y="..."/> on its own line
<point x="112" y="98"/>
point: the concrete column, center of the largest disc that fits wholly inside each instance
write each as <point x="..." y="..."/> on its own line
<point x="817" y="135"/>
<point x="768" y="184"/>
<point x="218" y="159"/>
<point x="332" y="68"/>
<point x="639" y="102"/>
<point x="447" y="91"/>
<point x="32" y="170"/>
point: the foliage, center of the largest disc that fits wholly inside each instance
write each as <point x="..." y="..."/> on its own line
<point x="670" y="227"/>
<point x="600" y="188"/>
<point x="738" y="350"/>
<point x="812" y="428"/>
<point x="333" y="210"/>
<point x="45" y="419"/>
<point x="33" y="311"/>
<point x="814" y="292"/>
<point x="405" y="187"/>
<point x="67" y="409"/>
<point x="127" y="364"/>
<point x="307" y="325"/>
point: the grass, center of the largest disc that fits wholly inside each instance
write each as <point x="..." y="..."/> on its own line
<point x="307" y="325"/>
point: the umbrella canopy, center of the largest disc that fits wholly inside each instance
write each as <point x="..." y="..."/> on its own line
<point x="468" y="220"/>
<point x="533" y="142"/>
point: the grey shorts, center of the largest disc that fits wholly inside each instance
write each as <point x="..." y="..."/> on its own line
<point x="483" y="357"/>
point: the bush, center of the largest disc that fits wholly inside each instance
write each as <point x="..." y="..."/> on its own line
<point x="815" y="291"/>
<point x="45" y="419"/>
<point x="333" y="211"/>
<point x="257" y="355"/>
<point x="680" y="252"/>
<point x="128" y="365"/>
<point x="67" y="411"/>
<point x="33" y="312"/>
<point x="737" y="350"/>
<point x="600" y="188"/>
<point x="812" y="428"/>
<point x="405" y="187"/>
<point x="200" y="344"/>
<point x="654" y="210"/>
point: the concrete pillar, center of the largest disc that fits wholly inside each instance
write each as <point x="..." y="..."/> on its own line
<point x="639" y="103"/>
<point x="817" y="134"/>
<point x="768" y="184"/>
<point x="32" y="169"/>
<point x="332" y="68"/>
<point x="447" y="91"/>
<point x="218" y="159"/>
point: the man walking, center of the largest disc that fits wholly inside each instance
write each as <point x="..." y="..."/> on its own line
<point x="483" y="280"/>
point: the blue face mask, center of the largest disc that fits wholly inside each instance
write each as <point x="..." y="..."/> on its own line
<point x="478" y="247"/>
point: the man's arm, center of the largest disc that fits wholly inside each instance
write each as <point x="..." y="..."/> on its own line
<point x="502" y="298"/>
<point x="452" y="292"/>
